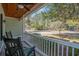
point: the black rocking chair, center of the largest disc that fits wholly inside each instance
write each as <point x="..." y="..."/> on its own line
<point x="9" y="34"/>
<point x="15" y="48"/>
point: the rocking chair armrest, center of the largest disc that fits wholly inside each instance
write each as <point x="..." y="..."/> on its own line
<point x="29" y="50"/>
<point x="30" y="47"/>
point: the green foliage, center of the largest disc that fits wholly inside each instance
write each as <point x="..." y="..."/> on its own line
<point x="64" y="11"/>
<point x="56" y="12"/>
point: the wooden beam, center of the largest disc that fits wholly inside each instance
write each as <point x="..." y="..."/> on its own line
<point x="33" y="8"/>
<point x="26" y="8"/>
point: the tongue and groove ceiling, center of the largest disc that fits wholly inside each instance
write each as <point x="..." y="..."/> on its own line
<point x="11" y="10"/>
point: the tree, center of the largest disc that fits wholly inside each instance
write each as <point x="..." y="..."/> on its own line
<point x="62" y="12"/>
<point x="55" y="12"/>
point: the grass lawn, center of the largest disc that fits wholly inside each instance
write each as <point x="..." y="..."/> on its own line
<point x="65" y="37"/>
<point x="68" y="38"/>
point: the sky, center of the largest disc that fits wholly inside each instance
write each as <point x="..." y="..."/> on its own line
<point x="44" y="9"/>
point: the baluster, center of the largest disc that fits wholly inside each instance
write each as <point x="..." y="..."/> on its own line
<point x="32" y="40"/>
<point x="67" y="50"/>
<point x="35" y="42"/>
<point x="51" y="48"/>
<point x="58" y="49"/>
<point x="78" y="52"/>
<point x="46" y="46"/>
<point x="62" y="49"/>
<point x="42" y="44"/>
<point x="54" y="49"/>
<point x="72" y="51"/>
<point x="39" y="43"/>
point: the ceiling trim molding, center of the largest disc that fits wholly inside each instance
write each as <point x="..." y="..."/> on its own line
<point x="33" y="9"/>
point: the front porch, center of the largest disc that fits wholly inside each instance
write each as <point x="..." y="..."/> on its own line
<point x="52" y="46"/>
<point x="49" y="46"/>
<point x="46" y="44"/>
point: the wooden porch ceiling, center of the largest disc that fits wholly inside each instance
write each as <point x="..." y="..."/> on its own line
<point x="11" y="10"/>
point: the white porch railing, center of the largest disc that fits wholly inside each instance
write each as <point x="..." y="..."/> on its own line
<point x="54" y="47"/>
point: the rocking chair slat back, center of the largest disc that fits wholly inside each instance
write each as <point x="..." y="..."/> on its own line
<point x="9" y="34"/>
<point x="14" y="47"/>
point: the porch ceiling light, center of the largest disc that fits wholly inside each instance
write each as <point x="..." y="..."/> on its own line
<point x="20" y="6"/>
<point x="23" y="5"/>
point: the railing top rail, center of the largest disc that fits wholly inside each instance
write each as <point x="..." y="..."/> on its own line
<point x="66" y="43"/>
<point x="59" y="41"/>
